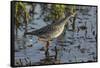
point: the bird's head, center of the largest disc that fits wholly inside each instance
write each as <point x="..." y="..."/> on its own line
<point x="69" y="14"/>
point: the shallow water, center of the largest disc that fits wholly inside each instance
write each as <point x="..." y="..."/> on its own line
<point x="75" y="46"/>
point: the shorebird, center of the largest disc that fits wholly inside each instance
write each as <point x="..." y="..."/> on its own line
<point x="51" y="31"/>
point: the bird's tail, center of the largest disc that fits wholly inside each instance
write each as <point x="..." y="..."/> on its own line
<point x="28" y="33"/>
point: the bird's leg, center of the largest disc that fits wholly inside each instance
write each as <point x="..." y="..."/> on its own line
<point x="46" y="50"/>
<point x="57" y="60"/>
<point x="56" y="53"/>
<point x="46" y="46"/>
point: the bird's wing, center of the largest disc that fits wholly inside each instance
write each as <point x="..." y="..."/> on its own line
<point x="42" y="31"/>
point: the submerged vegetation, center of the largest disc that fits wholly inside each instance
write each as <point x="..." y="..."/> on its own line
<point x="21" y="13"/>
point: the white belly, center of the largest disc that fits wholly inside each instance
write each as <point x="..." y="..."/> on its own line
<point x="59" y="32"/>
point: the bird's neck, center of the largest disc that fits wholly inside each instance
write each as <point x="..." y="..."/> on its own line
<point x="63" y="21"/>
